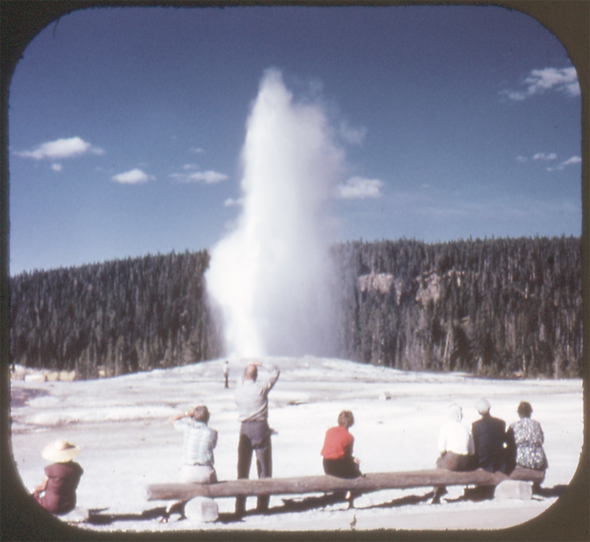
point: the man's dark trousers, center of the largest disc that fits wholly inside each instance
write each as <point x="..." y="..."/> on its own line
<point x="254" y="436"/>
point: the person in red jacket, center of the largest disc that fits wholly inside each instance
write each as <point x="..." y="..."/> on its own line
<point x="337" y="450"/>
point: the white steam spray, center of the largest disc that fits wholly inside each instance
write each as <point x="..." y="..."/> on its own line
<point x="271" y="275"/>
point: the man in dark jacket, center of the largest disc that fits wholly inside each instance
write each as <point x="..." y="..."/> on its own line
<point x="489" y="436"/>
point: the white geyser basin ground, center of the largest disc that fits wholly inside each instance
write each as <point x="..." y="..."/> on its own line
<point x="121" y="425"/>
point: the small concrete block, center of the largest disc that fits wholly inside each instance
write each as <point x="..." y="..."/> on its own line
<point x="201" y="509"/>
<point x="514" y="489"/>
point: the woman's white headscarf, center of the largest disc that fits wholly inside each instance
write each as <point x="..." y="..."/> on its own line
<point x="455" y="413"/>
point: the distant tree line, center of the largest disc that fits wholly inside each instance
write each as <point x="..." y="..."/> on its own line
<point x="499" y="307"/>
<point x="114" y="318"/>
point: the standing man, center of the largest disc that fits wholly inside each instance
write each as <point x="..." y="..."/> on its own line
<point x="489" y="436"/>
<point x="226" y="374"/>
<point x="252" y="400"/>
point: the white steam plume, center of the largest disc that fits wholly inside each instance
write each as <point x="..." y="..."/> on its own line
<point x="271" y="276"/>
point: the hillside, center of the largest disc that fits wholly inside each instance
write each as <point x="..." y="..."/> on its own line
<point x="499" y="307"/>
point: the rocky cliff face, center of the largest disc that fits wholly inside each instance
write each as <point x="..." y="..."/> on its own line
<point x="382" y="283"/>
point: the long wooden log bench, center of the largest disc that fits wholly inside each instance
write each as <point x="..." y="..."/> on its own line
<point x="367" y="483"/>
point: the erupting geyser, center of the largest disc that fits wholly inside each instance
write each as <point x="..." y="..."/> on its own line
<point x="271" y="275"/>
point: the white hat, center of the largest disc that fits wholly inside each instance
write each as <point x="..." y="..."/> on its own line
<point x="482" y="406"/>
<point x="60" y="451"/>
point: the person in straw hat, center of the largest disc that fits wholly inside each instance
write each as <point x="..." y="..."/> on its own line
<point x="57" y="492"/>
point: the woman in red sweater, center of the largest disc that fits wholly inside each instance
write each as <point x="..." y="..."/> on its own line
<point x="337" y="450"/>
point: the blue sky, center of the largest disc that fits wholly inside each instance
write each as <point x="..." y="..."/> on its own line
<point x="126" y="125"/>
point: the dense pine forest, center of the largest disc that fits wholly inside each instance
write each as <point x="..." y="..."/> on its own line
<point x="499" y="307"/>
<point x="114" y="318"/>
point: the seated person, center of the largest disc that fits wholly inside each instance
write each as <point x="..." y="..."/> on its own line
<point x="57" y="492"/>
<point x="337" y="449"/>
<point x="525" y="442"/>
<point x="455" y="445"/>
<point x="198" y="460"/>
<point x="489" y="436"/>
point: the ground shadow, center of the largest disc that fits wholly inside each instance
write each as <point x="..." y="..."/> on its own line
<point x="310" y="503"/>
<point x="96" y="517"/>
<point x="482" y="493"/>
<point x="289" y="505"/>
<point x="555" y="491"/>
<point x="476" y="494"/>
<point x="404" y="501"/>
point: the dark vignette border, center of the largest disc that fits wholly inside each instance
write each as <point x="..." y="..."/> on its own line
<point x="21" y="520"/>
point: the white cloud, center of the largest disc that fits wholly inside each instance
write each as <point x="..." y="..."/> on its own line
<point x="354" y="136"/>
<point x="569" y="162"/>
<point x="543" y="156"/>
<point x="189" y="166"/>
<point x="56" y="167"/>
<point x="359" y="188"/>
<point x="61" y="148"/>
<point x="539" y="81"/>
<point x="196" y="150"/>
<point x="209" y="177"/>
<point x="572" y="160"/>
<point x="551" y="156"/>
<point x="135" y="176"/>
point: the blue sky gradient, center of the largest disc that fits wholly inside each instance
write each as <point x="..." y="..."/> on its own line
<point x="126" y="125"/>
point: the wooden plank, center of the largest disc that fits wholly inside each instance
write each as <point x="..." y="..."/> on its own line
<point x="325" y="484"/>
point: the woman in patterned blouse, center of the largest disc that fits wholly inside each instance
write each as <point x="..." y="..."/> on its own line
<point x="527" y="438"/>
